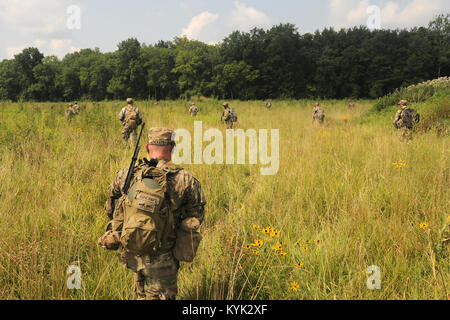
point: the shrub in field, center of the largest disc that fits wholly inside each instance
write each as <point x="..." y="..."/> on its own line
<point x="415" y="93"/>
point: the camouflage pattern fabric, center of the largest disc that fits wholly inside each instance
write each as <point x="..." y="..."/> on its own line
<point x="70" y="113"/>
<point x="158" y="279"/>
<point x="156" y="275"/>
<point x="129" y="135"/>
<point x="319" y="115"/>
<point x="77" y="108"/>
<point x="193" y="110"/>
<point x="226" y="117"/>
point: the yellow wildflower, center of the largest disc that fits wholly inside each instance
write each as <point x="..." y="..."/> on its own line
<point x="424" y="226"/>
<point x="277" y="247"/>
<point x="275" y="234"/>
<point x="299" y="265"/>
<point x="283" y="254"/>
<point x="294" y="286"/>
<point x="258" y="243"/>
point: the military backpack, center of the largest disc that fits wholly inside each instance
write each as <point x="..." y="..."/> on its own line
<point x="147" y="216"/>
<point x="131" y="118"/>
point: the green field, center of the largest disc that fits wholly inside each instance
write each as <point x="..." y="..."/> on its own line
<point x="338" y="201"/>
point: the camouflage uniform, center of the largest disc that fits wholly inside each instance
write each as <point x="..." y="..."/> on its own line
<point x="319" y="114"/>
<point x="156" y="274"/>
<point x="70" y="112"/>
<point x="268" y="104"/>
<point x="226" y="116"/>
<point x="77" y="108"/>
<point x="402" y="122"/>
<point x="193" y="110"/>
<point x="351" y="106"/>
<point x="127" y="134"/>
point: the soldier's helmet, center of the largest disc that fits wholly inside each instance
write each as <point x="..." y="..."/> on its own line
<point x="76" y="102"/>
<point x="225" y="104"/>
<point x="130" y="101"/>
<point x="403" y="103"/>
<point x="70" y="105"/>
<point x="317" y="104"/>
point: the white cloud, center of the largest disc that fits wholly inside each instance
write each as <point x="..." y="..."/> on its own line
<point x="57" y="47"/>
<point x="348" y="13"/>
<point x="245" y="18"/>
<point x="39" y="17"/>
<point x="417" y="12"/>
<point x="198" y="24"/>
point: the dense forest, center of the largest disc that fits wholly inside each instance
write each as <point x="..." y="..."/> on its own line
<point x="260" y="64"/>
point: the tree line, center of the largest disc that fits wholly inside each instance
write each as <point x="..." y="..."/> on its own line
<point x="260" y="64"/>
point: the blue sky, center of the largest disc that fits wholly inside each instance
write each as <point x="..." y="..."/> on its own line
<point x="104" y="23"/>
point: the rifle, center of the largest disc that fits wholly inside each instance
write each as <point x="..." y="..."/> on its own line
<point x="126" y="186"/>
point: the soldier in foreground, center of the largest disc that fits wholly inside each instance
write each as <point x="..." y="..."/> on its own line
<point x="319" y="114"/>
<point x="405" y="119"/>
<point x="193" y="110"/>
<point x="70" y="112"/>
<point x="229" y="116"/>
<point x="131" y="118"/>
<point x="154" y="218"/>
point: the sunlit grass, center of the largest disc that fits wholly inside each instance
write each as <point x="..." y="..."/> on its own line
<point x="347" y="195"/>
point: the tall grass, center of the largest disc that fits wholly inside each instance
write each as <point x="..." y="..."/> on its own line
<point x="336" y="185"/>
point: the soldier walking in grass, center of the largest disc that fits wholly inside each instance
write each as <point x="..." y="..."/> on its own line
<point x="318" y="114"/>
<point x="268" y="104"/>
<point x="155" y="224"/>
<point x="131" y="118"/>
<point x="70" y="112"/>
<point x="405" y="119"/>
<point x="76" y="107"/>
<point x="229" y="116"/>
<point x="351" y="105"/>
<point x="193" y="110"/>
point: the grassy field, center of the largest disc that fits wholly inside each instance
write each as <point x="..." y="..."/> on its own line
<point x="338" y="201"/>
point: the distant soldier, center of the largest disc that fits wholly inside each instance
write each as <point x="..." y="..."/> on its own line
<point x="405" y="119"/>
<point x="193" y="110"/>
<point x="131" y="118"/>
<point x="70" y="112"/>
<point x="76" y="107"/>
<point x="319" y="114"/>
<point x="351" y="105"/>
<point x="154" y="226"/>
<point x="229" y="116"/>
<point x="268" y="104"/>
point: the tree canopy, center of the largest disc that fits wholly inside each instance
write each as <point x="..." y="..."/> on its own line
<point x="260" y="64"/>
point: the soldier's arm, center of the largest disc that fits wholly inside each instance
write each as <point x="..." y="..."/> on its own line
<point x="115" y="191"/>
<point x="139" y="116"/>
<point x="396" y="118"/>
<point x="122" y="114"/>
